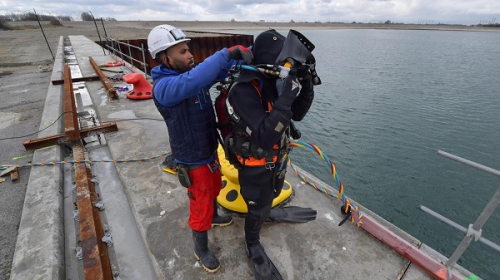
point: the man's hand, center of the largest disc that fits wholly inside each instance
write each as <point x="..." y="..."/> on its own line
<point x="240" y="52"/>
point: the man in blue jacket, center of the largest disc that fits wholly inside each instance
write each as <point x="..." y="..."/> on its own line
<point x="181" y="94"/>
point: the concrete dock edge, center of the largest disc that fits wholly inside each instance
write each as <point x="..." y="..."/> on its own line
<point x="39" y="252"/>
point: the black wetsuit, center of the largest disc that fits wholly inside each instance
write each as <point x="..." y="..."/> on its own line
<point x="260" y="184"/>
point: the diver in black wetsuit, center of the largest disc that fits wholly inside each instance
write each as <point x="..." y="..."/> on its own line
<point x="261" y="107"/>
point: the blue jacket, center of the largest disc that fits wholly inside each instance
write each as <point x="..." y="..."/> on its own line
<point x="184" y="102"/>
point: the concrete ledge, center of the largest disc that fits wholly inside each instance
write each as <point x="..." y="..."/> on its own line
<point x="40" y="243"/>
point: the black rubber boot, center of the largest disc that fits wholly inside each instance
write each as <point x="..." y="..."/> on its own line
<point x="169" y="161"/>
<point x="201" y="252"/>
<point x="221" y="221"/>
<point x="264" y="268"/>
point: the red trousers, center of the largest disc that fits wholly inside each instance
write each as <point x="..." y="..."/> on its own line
<point x="206" y="185"/>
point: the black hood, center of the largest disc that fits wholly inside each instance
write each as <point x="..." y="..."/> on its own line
<point x="267" y="47"/>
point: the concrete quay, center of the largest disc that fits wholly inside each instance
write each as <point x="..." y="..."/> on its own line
<point x="146" y="209"/>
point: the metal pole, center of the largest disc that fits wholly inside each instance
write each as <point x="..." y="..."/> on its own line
<point x="451" y="223"/>
<point x="46" y="41"/>
<point x="98" y="34"/>
<point x="105" y="33"/>
<point x="120" y="49"/>
<point x="104" y="28"/>
<point x="469" y="163"/>
<point x="144" y="60"/>
<point x="130" y="53"/>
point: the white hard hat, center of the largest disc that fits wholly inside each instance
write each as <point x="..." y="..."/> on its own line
<point x="163" y="37"/>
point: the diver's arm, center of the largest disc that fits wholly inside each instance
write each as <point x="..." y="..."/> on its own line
<point x="303" y="102"/>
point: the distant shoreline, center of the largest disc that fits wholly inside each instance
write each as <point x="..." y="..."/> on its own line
<point x="228" y="26"/>
<point x="26" y="46"/>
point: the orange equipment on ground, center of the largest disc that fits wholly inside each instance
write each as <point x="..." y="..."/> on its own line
<point x="142" y="88"/>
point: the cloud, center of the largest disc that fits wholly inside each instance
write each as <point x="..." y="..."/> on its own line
<point x="406" y="11"/>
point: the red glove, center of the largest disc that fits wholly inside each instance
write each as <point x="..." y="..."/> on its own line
<point x="239" y="52"/>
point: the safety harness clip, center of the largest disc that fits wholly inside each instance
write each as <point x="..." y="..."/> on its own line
<point x="270" y="165"/>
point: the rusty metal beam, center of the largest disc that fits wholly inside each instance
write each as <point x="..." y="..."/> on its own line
<point x="105" y="82"/>
<point x="76" y="80"/>
<point x="38" y="143"/>
<point x="96" y="264"/>
<point x="71" y="125"/>
<point x="72" y="131"/>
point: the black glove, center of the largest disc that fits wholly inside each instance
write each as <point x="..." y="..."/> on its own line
<point x="239" y="52"/>
<point x="289" y="91"/>
<point x="306" y="83"/>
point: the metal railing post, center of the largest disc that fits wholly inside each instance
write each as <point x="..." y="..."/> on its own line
<point x="144" y="60"/>
<point x="130" y="53"/>
<point x="474" y="230"/>
<point x="120" y="50"/>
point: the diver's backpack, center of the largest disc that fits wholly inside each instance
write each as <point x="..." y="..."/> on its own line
<point x="225" y="123"/>
<point x="230" y="129"/>
<point x="221" y="111"/>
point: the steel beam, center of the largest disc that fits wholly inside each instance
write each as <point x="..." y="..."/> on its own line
<point x="96" y="263"/>
<point x="71" y="125"/>
<point x="111" y="91"/>
<point x="38" y="143"/>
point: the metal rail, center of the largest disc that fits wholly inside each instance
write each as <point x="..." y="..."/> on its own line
<point x="96" y="264"/>
<point x="469" y="163"/>
<point x="451" y="223"/>
<point x="474" y="231"/>
<point x="119" y="44"/>
<point x="71" y="126"/>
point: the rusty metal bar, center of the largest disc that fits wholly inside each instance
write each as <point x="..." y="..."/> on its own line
<point x="76" y="80"/>
<point x="105" y="82"/>
<point x="96" y="262"/>
<point x="38" y="143"/>
<point x="71" y="125"/>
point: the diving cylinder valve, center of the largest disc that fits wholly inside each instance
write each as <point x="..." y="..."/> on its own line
<point x="285" y="69"/>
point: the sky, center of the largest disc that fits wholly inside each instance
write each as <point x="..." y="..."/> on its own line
<point x="398" y="11"/>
